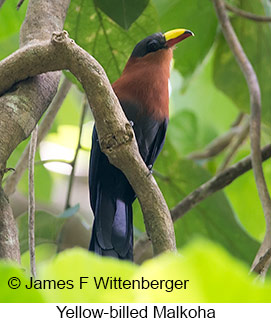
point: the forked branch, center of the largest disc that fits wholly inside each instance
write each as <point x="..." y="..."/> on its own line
<point x="255" y="119"/>
<point x="116" y="136"/>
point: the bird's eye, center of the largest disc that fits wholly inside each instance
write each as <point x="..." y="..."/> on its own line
<point x="153" y="46"/>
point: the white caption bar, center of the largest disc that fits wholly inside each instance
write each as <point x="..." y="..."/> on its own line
<point x="63" y="312"/>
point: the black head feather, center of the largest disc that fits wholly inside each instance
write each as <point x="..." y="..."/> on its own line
<point x="149" y="44"/>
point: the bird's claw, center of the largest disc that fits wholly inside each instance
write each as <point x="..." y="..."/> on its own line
<point x="150" y="170"/>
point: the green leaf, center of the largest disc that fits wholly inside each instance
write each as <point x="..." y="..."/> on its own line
<point x="43" y="253"/>
<point x="43" y="183"/>
<point x="196" y="15"/>
<point x="69" y="114"/>
<point x="123" y="12"/>
<point x="87" y="265"/>
<point x="214" y="276"/>
<point x="255" y="39"/>
<point x="244" y="188"/>
<point x="213" y="218"/>
<point x="213" y="111"/>
<point x="184" y="131"/>
<point x="138" y="220"/>
<point x="103" y="38"/>
<point x="42" y="192"/>
<point x="9" y="45"/>
<point x="47" y="229"/>
<point x="16" y="154"/>
<point x="76" y="231"/>
<point x="74" y="80"/>
<point x="70" y="211"/>
<point x="11" y="19"/>
<point x="21" y="294"/>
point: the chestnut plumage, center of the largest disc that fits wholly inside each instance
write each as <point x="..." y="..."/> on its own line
<point x="142" y="90"/>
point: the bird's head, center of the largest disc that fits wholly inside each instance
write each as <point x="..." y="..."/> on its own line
<point x="144" y="79"/>
<point x="159" y="41"/>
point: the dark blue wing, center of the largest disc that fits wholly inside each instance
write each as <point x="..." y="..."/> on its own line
<point x="111" y="195"/>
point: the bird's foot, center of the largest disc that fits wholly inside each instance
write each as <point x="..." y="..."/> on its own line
<point x="150" y="170"/>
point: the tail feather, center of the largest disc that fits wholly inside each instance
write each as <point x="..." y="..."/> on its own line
<point x="104" y="216"/>
<point x="112" y="233"/>
<point x="122" y="228"/>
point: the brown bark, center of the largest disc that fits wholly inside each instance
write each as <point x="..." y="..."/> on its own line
<point x="115" y="133"/>
<point x="9" y="244"/>
<point x="22" y="107"/>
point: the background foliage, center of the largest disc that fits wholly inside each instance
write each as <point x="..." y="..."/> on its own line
<point x="207" y="94"/>
<point x="214" y="276"/>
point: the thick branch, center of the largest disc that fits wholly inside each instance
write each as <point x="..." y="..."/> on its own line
<point x="115" y="133"/>
<point x="9" y="242"/>
<point x="255" y="120"/>
<point x="246" y="14"/>
<point x="22" y="107"/>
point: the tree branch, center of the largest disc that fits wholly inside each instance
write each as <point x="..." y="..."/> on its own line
<point x="207" y="189"/>
<point x="215" y="184"/>
<point x="9" y="242"/>
<point x="116" y="136"/>
<point x="246" y="14"/>
<point x="26" y="101"/>
<point x="45" y="125"/>
<point x="255" y="119"/>
<point x="263" y="263"/>
<point x="31" y="201"/>
<point x="218" y="145"/>
<point x="241" y="137"/>
<point x="24" y="104"/>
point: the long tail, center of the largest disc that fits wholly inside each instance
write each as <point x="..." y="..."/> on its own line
<point x="112" y="233"/>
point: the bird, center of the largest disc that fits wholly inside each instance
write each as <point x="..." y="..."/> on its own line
<point x="142" y="90"/>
